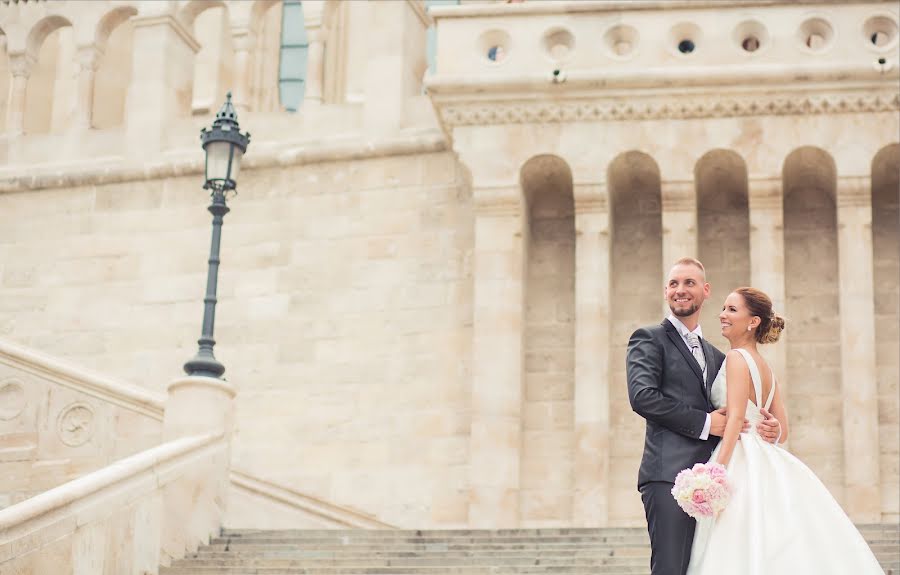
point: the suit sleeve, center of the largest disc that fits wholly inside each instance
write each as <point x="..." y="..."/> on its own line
<point x="643" y="365"/>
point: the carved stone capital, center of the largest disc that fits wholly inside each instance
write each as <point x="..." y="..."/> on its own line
<point x="242" y="38"/>
<point x="89" y="57"/>
<point x="21" y="64"/>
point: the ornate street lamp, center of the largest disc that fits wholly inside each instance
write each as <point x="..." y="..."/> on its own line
<point x="224" y="145"/>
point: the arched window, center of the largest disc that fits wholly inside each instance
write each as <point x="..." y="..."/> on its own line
<point x="294" y="47"/>
<point x="431" y="37"/>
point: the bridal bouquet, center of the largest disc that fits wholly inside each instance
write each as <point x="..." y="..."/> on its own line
<point x="703" y="490"/>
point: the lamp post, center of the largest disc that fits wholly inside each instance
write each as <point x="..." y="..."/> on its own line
<point x="224" y="146"/>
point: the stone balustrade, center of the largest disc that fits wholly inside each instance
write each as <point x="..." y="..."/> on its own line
<point x="128" y="518"/>
<point x="687" y="39"/>
<point x="59" y="422"/>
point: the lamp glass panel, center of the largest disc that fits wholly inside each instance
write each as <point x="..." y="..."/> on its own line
<point x="236" y="164"/>
<point x="217" y="160"/>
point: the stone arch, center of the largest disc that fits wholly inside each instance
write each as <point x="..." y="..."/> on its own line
<point x="636" y="298"/>
<point x="189" y="11"/>
<point x="723" y="231"/>
<point x="549" y="344"/>
<point x="110" y="21"/>
<point x="258" y="13"/>
<point x="50" y="45"/>
<point x="114" y="37"/>
<point x="812" y="309"/>
<point x="41" y="30"/>
<point x="886" y="276"/>
<point x="210" y="23"/>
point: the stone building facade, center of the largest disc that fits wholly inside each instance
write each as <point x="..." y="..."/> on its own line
<point x="431" y="269"/>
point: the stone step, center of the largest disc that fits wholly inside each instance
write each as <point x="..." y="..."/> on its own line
<point x="459" y="543"/>
<point x="363" y="537"/>
<point x="423" y="546"/>
<point x="571" y="551"/>
<point x="368" y="570"/>
<point x="450" y="532"/>
<point x="641" y="551"/>
<point x="525" y="561"/>
<point x="863" y="528"/>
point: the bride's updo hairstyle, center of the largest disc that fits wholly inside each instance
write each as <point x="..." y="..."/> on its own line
<point x="760" y="305"/>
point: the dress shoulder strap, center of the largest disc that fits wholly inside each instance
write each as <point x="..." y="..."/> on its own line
<point x="771" y="391"/>
<point x="754" y="372"/>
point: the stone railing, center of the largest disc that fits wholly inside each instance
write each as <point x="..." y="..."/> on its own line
<point x="59" y="422"/>
<point x="130" y="517"/>
<point x="255" y="503"/>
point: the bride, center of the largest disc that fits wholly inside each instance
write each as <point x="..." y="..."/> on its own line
<point x="781" y="519"/>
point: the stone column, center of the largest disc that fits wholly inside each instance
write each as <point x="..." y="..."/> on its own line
<point x="497" y="357"/>
<point x="88" y="61"/>
<point x="766" y="207"/>
<point x="192" y="508"/>
<point x="396" y="62"/>
<point x="161" y="82"/>
<point x="679" y="225"/>
<point x="315" y="66"/>
<point x="243" y="41"/>
<point x="592" y="247"/>
<point x="20" y="66"/>
<point x="859" y="392"/>
<point x="316" y="18"/>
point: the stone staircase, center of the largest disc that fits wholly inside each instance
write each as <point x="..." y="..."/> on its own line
<point x="610" y="551"/>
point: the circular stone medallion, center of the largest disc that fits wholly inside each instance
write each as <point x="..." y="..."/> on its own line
<point x="12" y="399"/>
<point x="76" y="424"/>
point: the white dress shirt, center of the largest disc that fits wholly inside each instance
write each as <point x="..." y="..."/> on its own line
<point x="683" y="331"/>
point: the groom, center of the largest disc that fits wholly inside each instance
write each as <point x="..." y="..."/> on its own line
<point x="670" y="371"/>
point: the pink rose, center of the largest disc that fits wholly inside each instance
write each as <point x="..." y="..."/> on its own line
<point x="699" y="496"/>
<point x="717" y="471"/>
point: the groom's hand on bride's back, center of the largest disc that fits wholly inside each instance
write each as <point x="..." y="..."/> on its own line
<point x="769" y="429"/>
<point x="718" y="419"/>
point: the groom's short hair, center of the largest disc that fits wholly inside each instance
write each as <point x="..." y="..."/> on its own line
<point x="691" y="262"/>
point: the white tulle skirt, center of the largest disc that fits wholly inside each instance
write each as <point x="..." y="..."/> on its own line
<point x="781" y="520"/>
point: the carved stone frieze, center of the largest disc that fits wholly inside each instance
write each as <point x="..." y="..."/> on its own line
<point x="468" y="114"/>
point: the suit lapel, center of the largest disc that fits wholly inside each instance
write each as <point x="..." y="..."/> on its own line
<point x="688" y="356"/>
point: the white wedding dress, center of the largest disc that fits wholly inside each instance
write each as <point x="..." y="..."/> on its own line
<point x="781" y="519"/>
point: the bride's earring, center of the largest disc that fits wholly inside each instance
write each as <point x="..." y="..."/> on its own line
<point x="749" y="328"/>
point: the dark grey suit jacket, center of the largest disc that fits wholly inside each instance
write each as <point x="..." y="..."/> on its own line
<point x="666" y="387"/>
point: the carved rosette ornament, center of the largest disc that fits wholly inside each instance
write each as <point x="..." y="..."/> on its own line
<point x="12" y="399"/>
<point x="75" y="424"/>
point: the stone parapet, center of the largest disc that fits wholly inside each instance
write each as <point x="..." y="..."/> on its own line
<point x="143" y="511"/>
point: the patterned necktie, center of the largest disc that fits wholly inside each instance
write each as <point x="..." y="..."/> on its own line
<point x="694" y="343"/>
